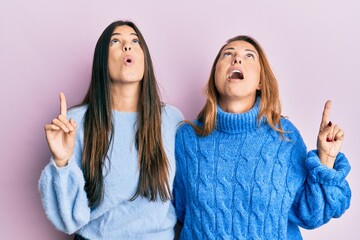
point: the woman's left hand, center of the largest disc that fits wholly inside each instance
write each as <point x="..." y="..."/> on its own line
<point x="330" y="138"/>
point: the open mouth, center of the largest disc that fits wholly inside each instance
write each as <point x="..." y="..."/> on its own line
<point x="236" y="74"/>
<point x="128" y="60"/>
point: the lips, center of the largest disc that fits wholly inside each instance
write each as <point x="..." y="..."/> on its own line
<point x="128" y="60"/>
<point x="235" y="74"/>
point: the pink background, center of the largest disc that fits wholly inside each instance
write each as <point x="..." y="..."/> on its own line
<point x="47" y="47"/>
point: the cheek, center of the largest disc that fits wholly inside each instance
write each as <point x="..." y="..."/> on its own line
<point x="219" y="73"/>
<point x="219" y="84"/>
<point x="111" y="66"/>
<point x="141" y="58"/>
<point x="255" y="72"/>
<point x="142" y="66"/>
<point x="217" y="77"/>
<point x="113" y="61"/>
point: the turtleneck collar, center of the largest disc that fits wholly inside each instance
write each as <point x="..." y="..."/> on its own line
<point x="238" y="122"/>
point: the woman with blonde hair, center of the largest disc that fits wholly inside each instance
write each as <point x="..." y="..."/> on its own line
<point x="243" y="171"/>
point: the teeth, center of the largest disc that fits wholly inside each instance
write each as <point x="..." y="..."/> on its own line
<point x="234" y="71"/>
<point x="236" y="74"/>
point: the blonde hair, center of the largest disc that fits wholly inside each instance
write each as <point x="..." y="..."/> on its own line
<point x="270" y="106"/>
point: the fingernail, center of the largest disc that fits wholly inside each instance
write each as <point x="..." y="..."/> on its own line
<point x="329" y="124"/>
<point x="328" y="139"/>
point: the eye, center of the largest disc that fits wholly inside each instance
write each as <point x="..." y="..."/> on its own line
<point x="227" y="54"/>
<point x="114" y="41"/>
<point x="250" y="55"/>
<point x="136" y="41"/>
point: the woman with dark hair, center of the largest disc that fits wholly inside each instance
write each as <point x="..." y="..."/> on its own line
<point x="243" y="171"/>
<point x="112" y="166"/>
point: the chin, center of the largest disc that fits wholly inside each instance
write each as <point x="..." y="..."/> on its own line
<point x="131" y="79"/>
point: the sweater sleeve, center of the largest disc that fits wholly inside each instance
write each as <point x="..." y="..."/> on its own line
<point x="324" y="194"/>
<point x="179" y="189"/>
<point x="62" y="189"/>
<point x="63" y="196"/>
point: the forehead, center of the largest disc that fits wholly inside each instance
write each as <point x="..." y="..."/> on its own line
<point x="240" y="46"/>
<point x="124" y="30"/>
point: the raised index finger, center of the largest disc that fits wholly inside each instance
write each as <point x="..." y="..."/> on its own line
<point x="326" y="113"/>
<point x="63" y="108"/>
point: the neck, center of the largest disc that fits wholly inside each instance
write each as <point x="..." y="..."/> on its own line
<point x="125" y="96"/>
<point x="234" y="123"/>
<point x="236" y="105"/>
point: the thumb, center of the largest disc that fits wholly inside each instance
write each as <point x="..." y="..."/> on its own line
<point x="325" y="131"/>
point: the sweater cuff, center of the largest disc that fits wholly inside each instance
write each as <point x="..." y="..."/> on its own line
<point x="320" y="173"/>
<point x="63" y="171"/>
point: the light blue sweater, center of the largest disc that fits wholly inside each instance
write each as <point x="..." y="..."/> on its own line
<point x="244" y="181"/>
<point x="65" y="201"/>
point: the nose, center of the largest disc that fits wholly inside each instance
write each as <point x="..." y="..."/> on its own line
<point x="126" y="48"/>
<point x="236" y="60"/>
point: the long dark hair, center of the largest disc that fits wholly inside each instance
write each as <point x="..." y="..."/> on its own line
<point x="270" y="106"/>
<point x="153" y="163"/>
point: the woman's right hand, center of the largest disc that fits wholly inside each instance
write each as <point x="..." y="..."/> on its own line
<point x="60" y="135"/>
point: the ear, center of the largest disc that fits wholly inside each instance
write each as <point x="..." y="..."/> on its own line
<point x="259" y="85"/>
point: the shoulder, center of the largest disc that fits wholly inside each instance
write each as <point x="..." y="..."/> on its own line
<point x="289" y="127"/>
<point x="185" y="129"/>
<point x="77" y="113"/>
<point x="292" y="133"/>
<point x="172" y="113"/>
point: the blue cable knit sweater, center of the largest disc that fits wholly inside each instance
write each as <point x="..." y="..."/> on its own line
<point x="243" y="181"/>
<point x="65" y="201"/>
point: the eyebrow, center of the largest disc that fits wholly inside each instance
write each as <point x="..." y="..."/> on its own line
<point x="249" y="50"/>
<point x="120" y="34"/>
<point x="231" y="48"/>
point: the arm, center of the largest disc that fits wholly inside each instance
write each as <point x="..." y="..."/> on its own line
<point x="63" y="196"/>
<point x="325" y="193"/>
<point x="179" y="190"/>
<point x="62" y="183"/>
